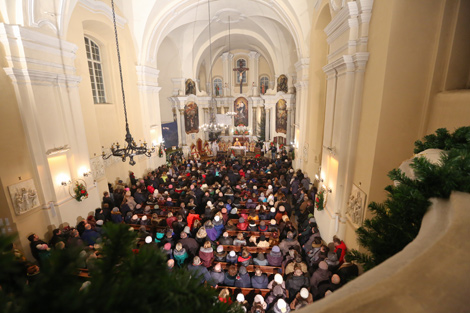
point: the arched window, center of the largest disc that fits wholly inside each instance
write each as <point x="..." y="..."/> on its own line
<point x="241" y="62"/>
<point x="218" y="87"/>
<point x="96" y="71"/>
<point x="263" y="84"/>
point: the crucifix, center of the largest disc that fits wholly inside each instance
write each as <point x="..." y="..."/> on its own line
<point x="241" y="69"/>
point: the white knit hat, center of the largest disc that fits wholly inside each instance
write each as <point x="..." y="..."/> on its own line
<point x="304" y="293"/>
<point x="240" y="297"/>
<point x="144" y="218"/>
<point x="148" y="239"/>
<point x="281" y="304"/>
<point x="278" y="279"/>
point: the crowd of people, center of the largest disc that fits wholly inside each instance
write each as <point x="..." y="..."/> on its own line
<point x="232" y="222"/>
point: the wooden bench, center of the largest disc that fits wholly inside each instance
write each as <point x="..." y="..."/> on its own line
<point x="235" y="221"/>
<point x="252" y="233"/>
<point x="247" y="292"/>
<point x="252" y="268"/>
<point x="250" y="249"/>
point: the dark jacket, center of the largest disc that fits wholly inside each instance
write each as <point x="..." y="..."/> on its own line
<point x="229" y="280"/>
<point x="243" y="281"/>
<point x="295" y="283"/>
<point x="218" y="277"/>
<point x="274" y="259"/>
<point x="190" y="244"/>
<point x="260" y="281"/>
<point x="202" y="272"/>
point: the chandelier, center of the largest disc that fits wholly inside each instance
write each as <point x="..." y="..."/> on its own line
<point x="212" y="126"/>
<point x="130" y="148"/>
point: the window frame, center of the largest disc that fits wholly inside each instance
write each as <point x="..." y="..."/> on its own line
<point x="97" y="66"/>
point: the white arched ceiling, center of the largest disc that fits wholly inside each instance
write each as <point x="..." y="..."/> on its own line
<point x="282" y="23"/>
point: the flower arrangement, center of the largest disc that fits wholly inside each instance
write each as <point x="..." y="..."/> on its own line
<point x="257" y="156"/>
<point x="80" y="192"/>
<point x="281" y="146"/>
<point x="160" y="151"/>
<point x="241" y="130"/>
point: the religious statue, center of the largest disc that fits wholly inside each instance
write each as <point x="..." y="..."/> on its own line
<point x="217" y="92"/>
<point x="190" y="87"/>
<point x="241" y="69"/>
<point x="282" y="83"/>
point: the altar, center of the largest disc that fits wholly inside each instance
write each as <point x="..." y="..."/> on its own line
<point x="238" y="150"/>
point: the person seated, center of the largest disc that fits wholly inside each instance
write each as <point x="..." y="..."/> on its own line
<point x="274" y="257"/>
<point x="321" y="274"/>
<point x="225" y="240"/>
<point x="206" y="254"/>
<point x="242" y="225"/>
<point x="296" y="282"/>
<point x="230" y="276"/>
<point x="289" y="242"/>
<point x="180" y="255"/>
<point x="218" y="276"/>
<point x="331" y="285"/>
<point x="347" y="271"/>
<point x="220" y="255"/>
<point x="303" y="298"/>
<point x="252" y="226"/>
<point x="263" y="243"/>
<point x="245" y="259"/>
<point x="232" y="257"/>
<point x="243" y="280"/>
<point x="260" y="260"/>
<point x="198" y="270"/>
<point x="259" y="280"/>
<point x="240" y="240"/>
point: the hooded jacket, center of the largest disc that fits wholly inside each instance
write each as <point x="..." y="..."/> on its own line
<point x="229" y="280"/>
<point x="274" y="258"/>
<point x="243" y="281"/>
<point x="206" y="255"/>
<point x="218" y="277"/>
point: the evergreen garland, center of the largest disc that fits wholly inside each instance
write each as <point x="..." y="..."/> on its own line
<point x="120" y="281"/>
<point x="397" y="220"/>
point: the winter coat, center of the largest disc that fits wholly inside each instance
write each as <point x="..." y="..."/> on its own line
<point x="274" y="258"/>
<point x="219" y="229"/>
<point x="243" y="281"/>
<point x="229" y="280"/>
<point x="287" y="243"/>
<point x="318" y="276"/>
<point x="257" y="261"/>
<point x="232" y="260"/>
<point x="201" y="272"/>
<point x="180" y="256"/>
<point x="211" y="233"/>
<point x="220" y="257"/>
<point x="238" y="242"/>
<point x="295" y="283"/>
<point x="245" y="261"/>
<point x="190" y="244"/>
<point x="260" y="282"/>
<point x="206" y="255"/>
<point x="218" y="277"/>
<point x="226" y="241"/>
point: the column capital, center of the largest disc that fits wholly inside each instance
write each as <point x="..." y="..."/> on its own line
<point x="226" y="55"/>
<point x="254" y="55"/>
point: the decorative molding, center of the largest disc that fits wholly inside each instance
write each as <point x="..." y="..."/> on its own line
<point x="337" y="5"/>
<point x="350" y="10"/>
<point x="38" y="17"/>
<point x="58" y="150"/>
<point x="41" y="63"/>
<point x="21" y="38"/>
<point x="99" y="7"/>
<point x="41" y="78"/>
<point x="222" y="16"/>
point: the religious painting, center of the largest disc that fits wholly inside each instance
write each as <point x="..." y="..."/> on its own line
<point x="356" y="206"/>
<point x="241" y="108"/>
<point x="190" y="87"/>
<point x="281" y="116"/>
<point x="282" y="83"/>
<point x="170" y="134"/>
<point x="191" y="118"/>
<point x="24" y="196"/>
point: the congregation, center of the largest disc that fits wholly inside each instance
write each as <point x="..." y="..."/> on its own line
<point x="244" y="226"/>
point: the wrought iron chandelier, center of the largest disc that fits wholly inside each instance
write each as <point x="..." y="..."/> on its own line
<point x="131" y="149"/>
<point x="212" y="126"/>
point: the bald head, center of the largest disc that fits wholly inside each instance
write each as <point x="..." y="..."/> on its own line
<point x="335" y="279"/>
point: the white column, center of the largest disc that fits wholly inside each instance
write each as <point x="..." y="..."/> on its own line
<point x="227" y="59"/>
<point x="253" y="73"/>
<point x="182" y="128"/>
<point x="288" y="128"/>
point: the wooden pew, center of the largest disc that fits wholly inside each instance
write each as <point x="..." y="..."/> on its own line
<point x="235" y="221"/>
<point x="252" y="268"/>
<point x="251" y="233"/>
<point x="247" y="292"/>
<point x="250" y="249"/>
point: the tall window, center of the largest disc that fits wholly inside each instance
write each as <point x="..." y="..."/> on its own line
<point x="263" y="84"/>
<point x="241" y="62"/>
<point x="218" y="86"/>
<point x="95" y="70"/>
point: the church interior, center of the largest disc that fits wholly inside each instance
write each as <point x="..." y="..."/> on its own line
<point x="347" y="85"/>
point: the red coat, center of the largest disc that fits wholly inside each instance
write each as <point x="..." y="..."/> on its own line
<point x="341" y="246"/>
<point x="191" y="218"/>
<point x="242" y="226"/>
<point x="170" y="220"/>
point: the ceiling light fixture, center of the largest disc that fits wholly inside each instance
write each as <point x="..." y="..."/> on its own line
<point x="131" y="149"/>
